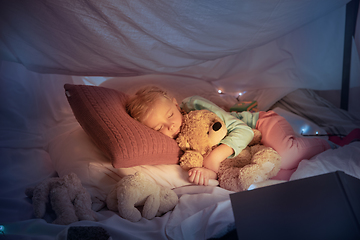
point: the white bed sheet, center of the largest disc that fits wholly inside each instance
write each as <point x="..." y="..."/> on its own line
<point x="202" y="213"/>
<point x="346" y="159"/>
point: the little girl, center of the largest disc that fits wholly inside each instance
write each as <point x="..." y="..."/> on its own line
<point x="154" y="108"/>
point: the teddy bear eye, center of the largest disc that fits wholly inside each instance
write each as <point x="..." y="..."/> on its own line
<point x="216" y="126"/>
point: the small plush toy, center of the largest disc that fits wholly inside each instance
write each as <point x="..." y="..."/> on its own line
<point x="135" y="191"/>
<point x="202" y="130"/>
<point x="68" y="198"/>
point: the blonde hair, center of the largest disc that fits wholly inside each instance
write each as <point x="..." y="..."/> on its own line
<point x="138" y="106"/>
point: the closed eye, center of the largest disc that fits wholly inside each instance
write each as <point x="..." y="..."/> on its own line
<point x="158" y="129"/>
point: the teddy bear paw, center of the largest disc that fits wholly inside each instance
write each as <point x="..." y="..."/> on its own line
<point x="133" y="216"/>
<point x="266" y="168"/>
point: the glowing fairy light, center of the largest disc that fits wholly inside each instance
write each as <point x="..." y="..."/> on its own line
<point x="240" y="94"/>
<point x="304" y="129"/>
<point x="219" y="91"/>
<point x="308" y="131"/>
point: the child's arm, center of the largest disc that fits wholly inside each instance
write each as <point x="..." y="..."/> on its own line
<point x="201" y="176"/>
<point x="219" y="154"/>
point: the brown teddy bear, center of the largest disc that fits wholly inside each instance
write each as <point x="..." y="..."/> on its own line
<point x="68" y="198"/>
<point x="202" y="130"/>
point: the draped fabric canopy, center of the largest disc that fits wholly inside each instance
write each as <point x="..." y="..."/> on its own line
<point x="110" y="37"/>
<point x="236" y="45"/>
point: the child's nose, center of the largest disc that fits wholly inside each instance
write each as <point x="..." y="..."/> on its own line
<point x="171" y="125"/>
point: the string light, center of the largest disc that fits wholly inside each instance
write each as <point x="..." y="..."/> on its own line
<point x="240" y="94"/>
<point x="304" y="129"/>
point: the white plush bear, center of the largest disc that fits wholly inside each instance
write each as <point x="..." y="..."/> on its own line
<point x="136" y="190"/>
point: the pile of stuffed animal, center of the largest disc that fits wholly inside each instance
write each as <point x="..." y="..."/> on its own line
<point x="71" y="202"/>
<point x="202" y="130"/>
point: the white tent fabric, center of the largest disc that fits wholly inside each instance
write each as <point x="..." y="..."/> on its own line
<point x="133" y="37"/>
<point x="261" y="49"/>
<point x="235" y="45"/>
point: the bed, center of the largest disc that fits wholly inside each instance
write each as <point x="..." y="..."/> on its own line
<point x="286" y="64"/>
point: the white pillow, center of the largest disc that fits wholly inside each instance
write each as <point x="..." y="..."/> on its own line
<point x="74" y="151"/>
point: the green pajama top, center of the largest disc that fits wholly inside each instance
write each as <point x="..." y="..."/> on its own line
<point x="239" y="125"/>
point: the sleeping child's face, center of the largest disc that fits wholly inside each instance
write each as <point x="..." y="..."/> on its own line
<point x="165" y="117"/>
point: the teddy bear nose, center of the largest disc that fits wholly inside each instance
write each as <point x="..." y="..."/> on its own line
<point x="216" y="126"/>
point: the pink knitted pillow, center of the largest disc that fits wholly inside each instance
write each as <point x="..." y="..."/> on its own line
<point x="101" y="113"/>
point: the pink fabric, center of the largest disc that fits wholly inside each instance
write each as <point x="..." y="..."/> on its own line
<point x="278" y="134"/>
<point x="101" y="113"/>
<point x="354" y="135"/>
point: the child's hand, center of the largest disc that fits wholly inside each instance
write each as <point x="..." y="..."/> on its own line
<point x="201" y="176"/>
